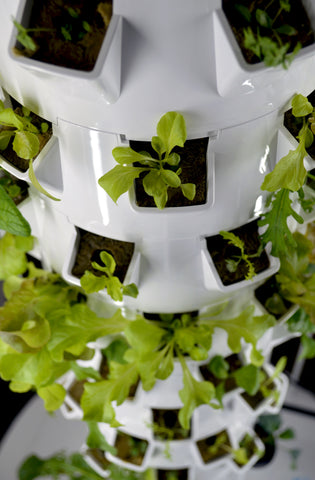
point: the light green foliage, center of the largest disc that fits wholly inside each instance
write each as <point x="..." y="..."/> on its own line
<point x="232" y="263"/>
<point x="73" y="467"/>
<point x="96" y="439"/>
<point x="248" y="377"/>
<point x="300" y="322"/>
<point x="45" y="325"/>
<point x="278" y="232"/>
<point x="297" y="284"/>
<point x="24" y="133"/>
<point x="115" y="289"/>
<point x="290" y="172"/>
<point x="36" y="183"/>
<point x="269" y="47"/>
<point x="11" y="219"/>
<point x="219" y="367"/>
<point x="161" y="173"/>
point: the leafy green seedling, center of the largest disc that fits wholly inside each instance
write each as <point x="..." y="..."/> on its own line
<point x="20" y="128"/>
<point x="159" y="173"/>
<point x="233" y="263"/>
<point x="240" y="455"/>
<point x="75" y="27"/>
<point x="24" y="36"/>
<point x="269" y="47"/>
<point x="115" y="289"/>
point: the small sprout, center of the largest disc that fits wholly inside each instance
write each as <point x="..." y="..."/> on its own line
<point x="115" y="289"/>
<point x="233" y="263"/>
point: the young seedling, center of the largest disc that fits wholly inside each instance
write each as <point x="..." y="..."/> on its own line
<point x="115" y="289"/>
<point x="240" y="455"/>
<point x="20" y="128"/>
<point x="269" y="47"/>
<point x="233" y="262"/>
<point x="24" y="35"/>
<point x="157" y="174"/>
<point x="75" y="27"/>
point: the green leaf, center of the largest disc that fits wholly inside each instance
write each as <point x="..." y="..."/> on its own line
<point x="308" y="344"/>
<point x="130" y="290"/>
<point x="248" y="378"/>
<point x="126" y="156"/>
<point x="171" y="129"/>
<point x="245" y="326"/>
<point x="91" y="283"/>
<point x="251" y="42"/>
<point x="9" y="118"/>
<point x="116" y="350"/>
<point x="11" y="219"/>
<point x="96" y="439"/>
<point x="287" y="434"/>
<point x="53" y="396"/>
<point x="26" y="144"/>
<point x="286" y="30"/>
<point x="78" y="325"/>
<point x="155" y="186"/>
<point x="5" y="137"/>
<point x="300" y="322"/>
<point x="233" y="239"/>
<point x="114" y="289"/>
<point x="173" y="159"/>
<point x="219" y="367"/>
<point x="97" y="398"/>
<point x="289" y="173"/>
<point x="188" y="190"/>
<point x="278" y="232"/>
<point x="263" y="18"/>
<point x="13" y="260"/>
<point x="108" y="261"/>
<point x="244" y="11"/>
<point x="144" y="336"/>
<point x="119" y="180"/>
<point x="270" y="423"/>
<point x="193" y="394"/>
<point x="37" y="185"/>
<point x="301" y="106"/>
<point x="170" y="178"/>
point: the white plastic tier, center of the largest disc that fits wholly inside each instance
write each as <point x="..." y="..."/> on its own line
<point x="181" y="57"/>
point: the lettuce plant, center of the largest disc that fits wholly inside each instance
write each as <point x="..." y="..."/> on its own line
<point x="11" y="219"/>
<point x="153" y="347"/>
<point x="115" y="289"/>
<point x="288" y="176"/>
<point x="270" y="46"/>
<point x="157" y="174"/>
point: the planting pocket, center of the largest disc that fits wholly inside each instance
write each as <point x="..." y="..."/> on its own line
<point x="237" y="258"/>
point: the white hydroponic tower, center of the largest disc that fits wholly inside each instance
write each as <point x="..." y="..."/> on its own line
<point x="158" y="56"/>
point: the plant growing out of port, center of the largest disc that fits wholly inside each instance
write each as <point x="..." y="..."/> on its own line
<point x="21" y="131"/>
<point x="11" y="219"/>
<point x="153" y="347"/>
<point x="115" y="289"/>
<point x="270" y="45"/>
<point x="45" y="326"/>
<point x="240" y="455"/>
<point x="157" y="174"/>
<point x="233" y="262"/>
<point x="288" y="176"/>
<point x="74" y="467"/>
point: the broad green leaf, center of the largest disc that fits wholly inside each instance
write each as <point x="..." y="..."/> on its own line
<point x="245" y="326"/>
<point x="308" y="344"/>
<point x="219" y="367"/>
<point x="73" y="467"/>
<point x="248" y="378"/>
<point x="194" y="340"/>
<point x="278" y="232"/>
<point x="77" y="326"/>
<point x="119" y="180"/>
<point x="126" y="156"/>
<point x="170" y="178"/>
<point x="23" y="334"/>
<point x="114" y="289"/>
<point x="96" y="439"/>
<point x="13" y="260"/>
<point x="91" y="283"/>
<point x="108" y="261"/>
<point x="300" y="322"/>
<point x="153" y="183"/>
<point x="97" y="398"/>
<point x="301" y="106"/>
<point x="161" y="200"/>
<point x="11" y="219"/>
<point x="270" y="423"/>
<point x="36" y="183"/>
<point x="5" y="137"/>
<point x="188" y="190"/>
<point x="263" y="18"/>
<point x="11" y="119"/>
<point x="144" y="336"/>
<point x="171" y="129"/>
<point x="53" y="396"/>
<point x="287" y="434"/>
<point x="289" y="173"/>
<point x="157" y="145"/>
<point x="130" y="290"/>
<point x="26" y="144"/>
<point x="193" y="394"/>
<point x="173" y="159"/>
